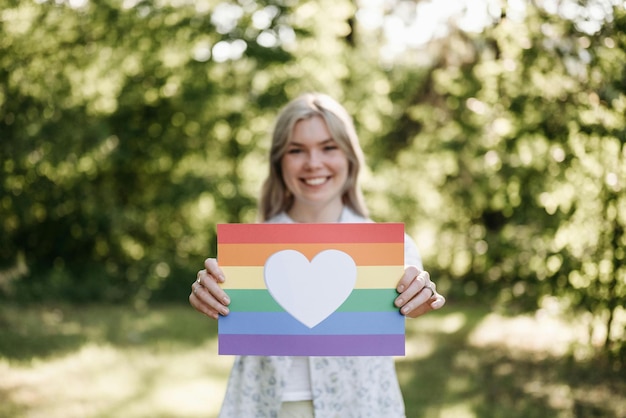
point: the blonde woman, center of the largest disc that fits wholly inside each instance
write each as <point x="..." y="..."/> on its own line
<point x="315" y="159"/>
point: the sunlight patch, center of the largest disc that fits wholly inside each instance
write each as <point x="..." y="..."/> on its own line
<point x="119" y="381"/>
<point x="530" y="334"/>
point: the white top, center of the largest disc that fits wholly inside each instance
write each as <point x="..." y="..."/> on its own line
<point x="298" y="384"/>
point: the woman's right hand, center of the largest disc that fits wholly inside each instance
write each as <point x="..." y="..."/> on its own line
<point x="206" y="295"/>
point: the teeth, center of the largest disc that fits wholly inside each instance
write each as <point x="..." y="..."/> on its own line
<point x="315" y="182"/>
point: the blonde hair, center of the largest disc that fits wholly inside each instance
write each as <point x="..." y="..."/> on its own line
<point x="275" y="197"/>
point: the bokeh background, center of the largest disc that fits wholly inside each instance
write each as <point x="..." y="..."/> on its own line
<point x="495" y="130"/>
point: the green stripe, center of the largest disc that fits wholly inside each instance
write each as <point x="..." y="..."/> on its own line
<point x="360" y="300"/>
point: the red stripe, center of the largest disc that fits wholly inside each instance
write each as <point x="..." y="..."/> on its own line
<point x="310" y="233"/>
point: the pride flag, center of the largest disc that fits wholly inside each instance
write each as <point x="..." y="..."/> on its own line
<point x="311" y="289"/>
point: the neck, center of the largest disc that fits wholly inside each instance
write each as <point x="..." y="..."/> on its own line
<point x="310" y="214"/>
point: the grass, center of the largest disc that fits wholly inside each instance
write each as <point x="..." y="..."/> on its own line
<point x="464" y="361"/>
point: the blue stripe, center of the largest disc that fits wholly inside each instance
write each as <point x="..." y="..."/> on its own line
<point x="339" y="323"/>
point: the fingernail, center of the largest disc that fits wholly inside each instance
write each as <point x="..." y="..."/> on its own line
<point x="405" y="310"/>
<point x="399" y="302"/>
<point x="437" y="304"/>
<point x="226" y="300"/>
<point x="225" y="311"/>
<point x="400" y="288"/>
<point x="221" y="278"/>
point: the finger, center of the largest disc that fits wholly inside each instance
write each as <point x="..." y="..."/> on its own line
<point x="424" y="279"/>
<point x="199" y="276"/>
<point x="207" y="282"/>
<point x="204" y="309"/>
<point x="438" y="302"/>
<point x="414" y="303"/>
<point x="410" y="273"/>
<point x="429" y="287"/>
<point x="414" y="288"/>
<point x="213" y="296"/>
<point x="214" y="290"/>
<point x="210" y="264"/>
<point x="204" y="278"/>
<point x="420" y="310"/>
<point x="201" y="307"/>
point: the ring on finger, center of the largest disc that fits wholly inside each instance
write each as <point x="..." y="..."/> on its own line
<point x="197" y="288"/>
<point x="432" y="291"/>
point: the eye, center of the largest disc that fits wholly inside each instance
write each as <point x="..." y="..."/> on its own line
<point x="294" y="151"/>
<point x="330" y="147"/>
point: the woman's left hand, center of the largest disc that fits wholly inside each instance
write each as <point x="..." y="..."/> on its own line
<point x="418" y="294"/>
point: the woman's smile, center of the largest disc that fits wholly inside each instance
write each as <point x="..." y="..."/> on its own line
<point x="315" y="181"/>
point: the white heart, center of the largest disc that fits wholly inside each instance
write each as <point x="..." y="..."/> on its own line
<point x="310" y="292"/>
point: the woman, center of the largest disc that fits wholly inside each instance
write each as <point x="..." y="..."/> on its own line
<point x="315" y="160"/>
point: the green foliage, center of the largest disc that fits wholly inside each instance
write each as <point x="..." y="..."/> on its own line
<point x="129" y="129"/>
<point x="518" y="159"/>
<point x="123" y="144"/>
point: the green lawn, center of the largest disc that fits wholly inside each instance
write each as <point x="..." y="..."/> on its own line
<point x="105" y="361"/>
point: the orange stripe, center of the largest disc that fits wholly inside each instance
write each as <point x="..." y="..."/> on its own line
<point x="363" y="254"/>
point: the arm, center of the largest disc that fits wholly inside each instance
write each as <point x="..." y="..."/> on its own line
<point x="206" y="295"/>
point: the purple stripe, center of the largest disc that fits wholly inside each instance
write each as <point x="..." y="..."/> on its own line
<point x="312" y="345"/>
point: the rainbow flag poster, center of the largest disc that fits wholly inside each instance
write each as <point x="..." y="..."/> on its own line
<point x="311" y="289"/>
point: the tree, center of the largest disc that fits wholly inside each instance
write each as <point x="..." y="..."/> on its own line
<point x="514" y="141"/>
<point x="129" y="130"/>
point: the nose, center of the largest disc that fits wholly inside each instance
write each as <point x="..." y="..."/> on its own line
<point x="314" y="159"/>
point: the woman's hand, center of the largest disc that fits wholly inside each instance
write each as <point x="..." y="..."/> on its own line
<point x="418" y="294"/>
<point x="206" y="294"/>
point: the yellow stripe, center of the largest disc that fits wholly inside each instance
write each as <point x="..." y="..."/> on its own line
<point x="368" y="277"/>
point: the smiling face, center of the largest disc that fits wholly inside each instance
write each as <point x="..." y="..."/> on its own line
<point x="315" y="171"/>
<point x="319" y="117"/>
